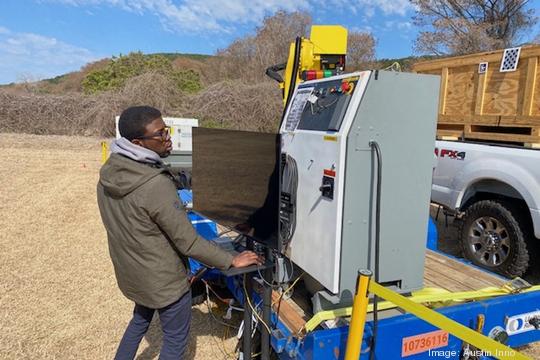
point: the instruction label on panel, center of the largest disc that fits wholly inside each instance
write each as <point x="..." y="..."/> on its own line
<point x="297" y="108"/>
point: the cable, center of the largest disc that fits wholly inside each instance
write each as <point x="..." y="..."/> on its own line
<point x="375" y="146"/>
<point x="281" y="298"/>
<point x="272" y="72"/>
<point x="222" y="349"/>
<point x="248" y="301"/>
<point x="394" y="67"/>
<point x="322" y="107"/>
<point x="225" y="301"/>
<point x="289" y="186"/>
<point x="263" y="279"/>
<point x="292" y="269"/>
<point x="225" y="335"/>
<point x="289" y="288"/>
<point x="212" y="313"/>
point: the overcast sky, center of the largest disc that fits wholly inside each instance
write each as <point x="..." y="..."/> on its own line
<point x="45" y="38"/>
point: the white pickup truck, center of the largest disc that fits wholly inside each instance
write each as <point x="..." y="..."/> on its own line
<point x="494" y="191"/>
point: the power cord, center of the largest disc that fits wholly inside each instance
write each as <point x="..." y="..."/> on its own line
<point x="212" y="313"/>
<point x="255" y="312"/>
<point x="281" y="298"/>
<point x="375" y="146"/>
<point x="394" y="67"/>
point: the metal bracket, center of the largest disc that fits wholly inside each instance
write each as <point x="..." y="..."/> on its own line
<point x="516" y="285"/>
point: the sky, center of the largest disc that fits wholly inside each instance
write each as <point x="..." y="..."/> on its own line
<point x="45" y="38"/>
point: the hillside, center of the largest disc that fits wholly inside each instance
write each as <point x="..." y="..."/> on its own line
<point x="229" y="90"/>
<point x="72" y="82"/>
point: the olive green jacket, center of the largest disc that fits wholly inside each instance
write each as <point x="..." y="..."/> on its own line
<point x="149" y="233"/>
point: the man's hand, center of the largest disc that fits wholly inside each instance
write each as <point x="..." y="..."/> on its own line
<point x="247" y="258"/>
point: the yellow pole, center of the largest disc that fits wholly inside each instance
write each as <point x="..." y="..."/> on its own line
<point x="104" y="151"/>
<point x="358" y="317"/>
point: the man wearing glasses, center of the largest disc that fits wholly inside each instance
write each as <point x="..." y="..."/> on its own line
<point x="149" y="233"/>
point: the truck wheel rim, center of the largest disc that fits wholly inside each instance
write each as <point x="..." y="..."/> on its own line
<point x="489" y="241"/>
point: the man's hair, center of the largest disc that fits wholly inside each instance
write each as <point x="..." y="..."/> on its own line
<point x="133" y="121"/>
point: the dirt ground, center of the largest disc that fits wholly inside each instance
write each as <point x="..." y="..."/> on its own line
<point x="58" y="294"/>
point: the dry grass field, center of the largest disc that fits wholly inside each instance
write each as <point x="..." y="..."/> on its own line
<point x="58" y="294"/>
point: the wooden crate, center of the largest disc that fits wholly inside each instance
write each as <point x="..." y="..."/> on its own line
<point x="492" y="106"/>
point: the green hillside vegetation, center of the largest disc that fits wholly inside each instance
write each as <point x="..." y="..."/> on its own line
<point x="124" y="67"/>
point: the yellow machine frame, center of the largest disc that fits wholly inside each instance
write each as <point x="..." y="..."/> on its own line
<point x="324" y="40"/>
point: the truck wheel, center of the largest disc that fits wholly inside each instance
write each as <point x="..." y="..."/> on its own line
<point x="491" y="237"/>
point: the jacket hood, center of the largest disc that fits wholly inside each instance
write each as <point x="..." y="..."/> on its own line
<point x="120" y="175"/>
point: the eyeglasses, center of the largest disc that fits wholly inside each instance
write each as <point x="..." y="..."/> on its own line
<point x="163" y="134"/>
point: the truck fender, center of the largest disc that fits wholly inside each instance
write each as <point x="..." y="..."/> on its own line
<point x="504" y="171"/>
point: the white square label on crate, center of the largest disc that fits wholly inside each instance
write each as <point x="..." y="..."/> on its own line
<point x="510" y="59"/>
<point x="483" y="67"/>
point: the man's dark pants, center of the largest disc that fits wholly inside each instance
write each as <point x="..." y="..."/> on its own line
<point x="175" y="320"/>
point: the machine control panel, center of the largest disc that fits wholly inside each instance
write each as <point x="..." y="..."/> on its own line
<point x="327" y="131"/>
<point x="321" y="106"/>
<point x="314" y="134"/>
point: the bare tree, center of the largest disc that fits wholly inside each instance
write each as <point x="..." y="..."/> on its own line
<point x="247" y="58"/>
<point x="466" y="26"/>
<point x="360" y="50"/>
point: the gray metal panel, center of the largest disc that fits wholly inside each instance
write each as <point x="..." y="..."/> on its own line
<point x="399" y="111"/>
<point x="179" y="159"/>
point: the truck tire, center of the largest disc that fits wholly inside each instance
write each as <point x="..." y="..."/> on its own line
<point x="491" y="237"/>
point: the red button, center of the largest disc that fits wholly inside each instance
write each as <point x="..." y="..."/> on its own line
<point x="345" y="86"/>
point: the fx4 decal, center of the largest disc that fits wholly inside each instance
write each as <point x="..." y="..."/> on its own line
<point x="452" y="154"/>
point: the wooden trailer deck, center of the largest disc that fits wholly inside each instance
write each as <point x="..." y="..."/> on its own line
<point x="452" y="275"/>
<point x="440" y="272"/>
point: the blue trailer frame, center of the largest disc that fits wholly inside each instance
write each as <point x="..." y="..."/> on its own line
<point x="331" y="343"/>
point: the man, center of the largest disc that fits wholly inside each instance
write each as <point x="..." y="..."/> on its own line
<point x="150" y="235"/>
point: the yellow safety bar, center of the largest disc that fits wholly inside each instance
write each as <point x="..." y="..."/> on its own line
<point x="468" y="335"/>
<point x="427" y="295"/>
